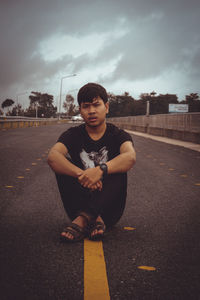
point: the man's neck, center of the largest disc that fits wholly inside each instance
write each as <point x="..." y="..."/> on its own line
<point x="96" y="132"/>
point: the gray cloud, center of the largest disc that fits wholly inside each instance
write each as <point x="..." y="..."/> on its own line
<point x="155" y="44"/>
<point x="161" y="36"/>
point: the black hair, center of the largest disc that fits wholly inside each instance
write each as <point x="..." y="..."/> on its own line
<point x="90" y="91"/>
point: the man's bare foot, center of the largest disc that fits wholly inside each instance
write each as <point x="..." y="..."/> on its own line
<point x="97" y="232"/>
<point x="80" y="221"/>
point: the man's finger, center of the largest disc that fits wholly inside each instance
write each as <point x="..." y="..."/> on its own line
<point x="83" y="179"/>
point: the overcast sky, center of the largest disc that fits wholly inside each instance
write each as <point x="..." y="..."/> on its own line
<point x="136" y="46"/>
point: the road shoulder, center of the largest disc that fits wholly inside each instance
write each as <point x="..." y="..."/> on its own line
<point x="189" y="145"/>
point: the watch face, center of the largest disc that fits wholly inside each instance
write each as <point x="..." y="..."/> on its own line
<point x="103" y="168"/>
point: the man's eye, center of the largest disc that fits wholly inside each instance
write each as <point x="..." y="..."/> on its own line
<point x="96" y="104"/>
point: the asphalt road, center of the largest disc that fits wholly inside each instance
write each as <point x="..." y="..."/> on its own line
<point x="162" y="207"/>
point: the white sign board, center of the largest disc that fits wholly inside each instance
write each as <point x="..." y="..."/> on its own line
<point x="178" y="108"/>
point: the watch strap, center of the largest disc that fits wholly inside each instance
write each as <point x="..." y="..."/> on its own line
<point x="104" y="168"/>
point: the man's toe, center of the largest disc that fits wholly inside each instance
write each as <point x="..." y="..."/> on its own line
<point x="67" y="235"/>
<point x="95" y="232"/>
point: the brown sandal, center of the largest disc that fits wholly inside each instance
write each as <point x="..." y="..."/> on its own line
<point x="97" y="226"/>
<point x="78" y="233"/>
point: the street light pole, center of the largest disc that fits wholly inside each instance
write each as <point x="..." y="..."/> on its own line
<point x="61" y="91"/>
<point x="19" y="94"/>
<point x="147" y="108"/>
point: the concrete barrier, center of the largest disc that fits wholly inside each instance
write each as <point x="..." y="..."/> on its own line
<point x="12" y="124"/>
<point x="185" y="127"/>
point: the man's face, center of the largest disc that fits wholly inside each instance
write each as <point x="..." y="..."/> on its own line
<point x="94" y="113"/>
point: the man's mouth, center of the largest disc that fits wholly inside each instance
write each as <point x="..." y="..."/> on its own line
<point x="92" y="119"/>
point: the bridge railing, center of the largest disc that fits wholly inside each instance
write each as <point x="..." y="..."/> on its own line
<point x="21" y="122"/>
<point x="184" y="126"/>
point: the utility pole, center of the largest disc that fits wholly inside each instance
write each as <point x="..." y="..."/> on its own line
<point x="61" y="91"/>
<point x="147" y="108"/>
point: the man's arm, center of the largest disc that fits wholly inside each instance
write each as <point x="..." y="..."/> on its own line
<point x="120" y="164"/>
<point x="124" y="161"/>
<point x="59" y="163"/>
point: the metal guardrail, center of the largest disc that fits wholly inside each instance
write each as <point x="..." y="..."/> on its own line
<point x="29" y="122"/>
<point x="22" y="118"/>
<point x="19" y="118"/>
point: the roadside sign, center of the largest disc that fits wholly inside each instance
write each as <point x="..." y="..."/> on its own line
<point x="178" y="108"/>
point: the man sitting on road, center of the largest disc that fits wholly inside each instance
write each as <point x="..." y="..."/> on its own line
<point x="91" y="163"/>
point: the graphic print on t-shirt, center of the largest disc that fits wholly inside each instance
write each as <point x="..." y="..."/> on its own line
<point x="93" y="159"/>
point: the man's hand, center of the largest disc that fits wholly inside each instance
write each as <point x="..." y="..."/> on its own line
<point x="97" y="186"/>
<point x="91" y="178"/>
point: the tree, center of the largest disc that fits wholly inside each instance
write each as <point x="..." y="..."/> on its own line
<point x="112" y="105"/>
<point x="145" y="97"/>
<point x="140" y="107"/>
<point x="193" y="101"/>
<point x="69" y="105"/>
<point x="159" y="104"/>
<point x="43" y="103"/>
<point x="192" y="97"/>
<point x="7" y="103"/>
<point x="121" y="105"/>
<point x="153" y="93"/>
<point x="17" y="109"/>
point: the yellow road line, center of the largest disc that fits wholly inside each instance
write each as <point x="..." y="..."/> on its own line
<point x="95" y="275"/>
<point x="147" y="268"/>
<point x="129" y="228"/>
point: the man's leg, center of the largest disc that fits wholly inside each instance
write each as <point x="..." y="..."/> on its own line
<point x="76" y="201"/>
<point x="75" y="198"/>
<point x="107" y="204"/>
<point x="110" y="202"/>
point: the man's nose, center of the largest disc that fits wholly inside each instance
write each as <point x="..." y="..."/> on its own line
<point x="91" y="109"/>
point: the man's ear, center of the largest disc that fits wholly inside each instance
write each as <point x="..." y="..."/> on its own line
<point x="107" y="107"/>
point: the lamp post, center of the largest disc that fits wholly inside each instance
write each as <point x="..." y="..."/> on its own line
<point x="19" y="94"/>
<point x="61" y="91"/>
<point x="147" y="108"/>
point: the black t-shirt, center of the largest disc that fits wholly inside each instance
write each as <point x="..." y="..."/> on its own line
<point x="87" y="153"/>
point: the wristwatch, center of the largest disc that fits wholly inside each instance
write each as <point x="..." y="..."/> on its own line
<point x="104" y="168"/>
